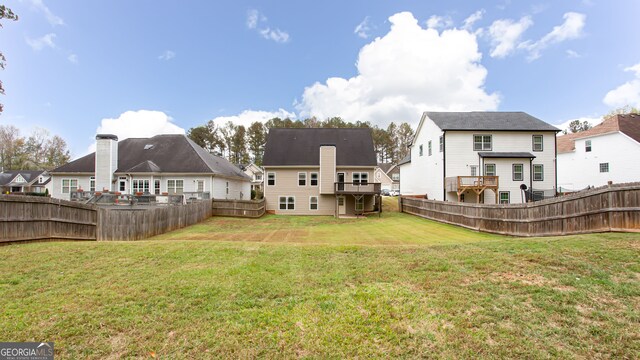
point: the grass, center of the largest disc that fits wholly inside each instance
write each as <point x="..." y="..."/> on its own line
<point x="297" y="296"/>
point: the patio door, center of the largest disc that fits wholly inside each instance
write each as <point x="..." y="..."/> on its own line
<point x="342" y="208"/>
<point x="341" y="181"/>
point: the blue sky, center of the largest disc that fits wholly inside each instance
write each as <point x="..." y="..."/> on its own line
<point x="137" y="68"/>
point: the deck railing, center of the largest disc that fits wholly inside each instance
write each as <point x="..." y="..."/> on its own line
<point x="458" y="182"/>
<point x="357" y="188"/>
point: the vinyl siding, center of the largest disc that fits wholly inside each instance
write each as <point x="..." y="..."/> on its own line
<point x="327" y="169"/>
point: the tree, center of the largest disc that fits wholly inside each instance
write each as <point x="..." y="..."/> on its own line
<point x="256" y="139"/>
<point x="5" y="13"/>
<point x="391" y="145"/>
<point x="404" y="136"/>
<point x="38" y="152"/>
<point x="56" y="153"/>
<point x="239" y="146"/>
<point x="226" y="138"/>
<point x="11" y="147"/>
<point x="577" y="126"/>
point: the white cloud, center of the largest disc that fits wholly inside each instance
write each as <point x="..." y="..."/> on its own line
<point x="439" y="22"/>
<point x="73" y="58"/>
<point x="167" y="55"/>
<point x="591" y="120"/>
<point x="52" y="18"/>
<point x="573" y="54"/>
<point x="505" y="34"/>
<point x="276" y="35"/>
<point x="571" y="28"/>
<point x="627" y="93"/>
<point x="399" y="77"/>
<point x="141" y="124"/>
<point x="472" y="19"/>
<point x="363" y="28"/>
<point x="42" y="42"/>
<point x="247" y="117"/>
<point x="254" y="21"/>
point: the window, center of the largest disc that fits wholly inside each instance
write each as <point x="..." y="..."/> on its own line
<point x="175" y="186"/>
<point x="271" y="179"/>
<point x="313" y="203"/>
<point x="69" y="185"/>
<point x="489" y="169"/>
<point x="420" y="150"/>
<point x="258" y="177"/>
<point x="482" y="142"/>
<point x="474" y="170"/>
<point x="441" y="143"/>
<point x="360" y="178"/>
<point x="156" y="187"/>
<point x="360" y="204"/>
<point x="92" y="183"/>
<point x="395" y="177"/>
<point x="122" y="181"/>
<point x="537" y="143"/>
<point x="518" y="172"/>
<point x="287" y="203"/>
<point x="538" y="172"/>
<point x="587" y="146"/>
<point x="313" y="179"/>
<point x="302" y="179"/>
<point x="200" y="185"/>
<point x="140" y="186"/>
<point x="504" y="197"/>
<point x="604" y="167"/>
<point x="227" y="188"/>
<point x="429" y="147"/>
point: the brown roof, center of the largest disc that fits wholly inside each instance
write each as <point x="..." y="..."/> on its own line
<point x="628" y="124"/>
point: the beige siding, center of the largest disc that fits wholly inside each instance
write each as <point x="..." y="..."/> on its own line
<point x="287" y="185"/>
<point x="327" y="169"/>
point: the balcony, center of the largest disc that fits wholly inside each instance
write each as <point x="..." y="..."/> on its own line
<point x="460" y="184"/>
<point x="356" y="188"/>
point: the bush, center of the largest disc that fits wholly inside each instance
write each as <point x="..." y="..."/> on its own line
<point x="253" y="194"/>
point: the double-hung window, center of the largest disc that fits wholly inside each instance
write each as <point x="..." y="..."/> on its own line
<point x="69" y="185"/>
<point x="587" y="146"/>
<point x="156" y="187"/>
<point x="441" y="143"/>
<point x="313" y="179"/>
<point x="92" y="183"/>
<point x="420" y="149"/>
<point x="271" y="179"/>
<point x="538" y="172"/>
<point x="302" y="179"/>
<point x="360" y="178"/>
<point x="313" y="203"/>
<point x="504" y="197"/>
<point x="175" y="186"/>
<point x="474" y="170"/>
<point x="537" y="143"/>
<point x="482" y="142"/>
<point x="287" y="203"/>
<point x="429" y="147"/>
<point x="518" y="172"/>
<point x="140" y="186"/>
<point x="489" y="169"/>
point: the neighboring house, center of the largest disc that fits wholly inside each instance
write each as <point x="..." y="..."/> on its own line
<point x="607" y="152"/>
<point x="391" y="178"/>
<point x="256" y="174"/>
<point x="320" y="172"/>
<point x="480" y="157"/>
<point x="24" y="181"/>
<point x="171" y="164"/>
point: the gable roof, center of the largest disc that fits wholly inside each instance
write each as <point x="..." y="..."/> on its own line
<point x="628" y="124"/>
<point x="489" y="121"/>
<point x="405" y="160"/>
<point x="385" y="166"/>
<point x="295" y="147"/>
<point x="161" y="153"/>
<point x="30" y="176"/>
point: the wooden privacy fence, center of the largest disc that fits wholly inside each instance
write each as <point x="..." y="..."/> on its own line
<point x="142" y="223"/>
<point x="609" y="208"/>
<point x="30" y="218"/>
<point x="242" y="208"/>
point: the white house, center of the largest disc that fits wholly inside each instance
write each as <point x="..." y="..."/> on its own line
<point x="171" y="164"/>
<point x="36" y="181"/>
<point x="256" y="174"/>
<point x="607" y="152"/>
<point x="480" y="157"/>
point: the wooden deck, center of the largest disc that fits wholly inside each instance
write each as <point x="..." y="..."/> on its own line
<point x="478" y="184"/>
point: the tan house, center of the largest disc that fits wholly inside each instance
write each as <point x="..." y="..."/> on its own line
<point x="320" y="172"/>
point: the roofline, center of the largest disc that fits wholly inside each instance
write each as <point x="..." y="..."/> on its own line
<point x="511" y="130"/>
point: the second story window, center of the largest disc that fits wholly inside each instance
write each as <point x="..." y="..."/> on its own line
<point x="482" y="142"/>
<point x="474" y="170"/>
<point x="429" y="147"/>
<point x="587" y="146"/>
<point x="271" y="179"/>
<point x="441" y="143"/>
<point x="538" y="172"/>
<point x="313" y="178"/>
<point x="537" y="143"/>
<point x="395" y="177"/>
<point x="360" y="178"/>
<point x="302" y="179"/>
<point x="518" y="172"/>
<point x="258" y="177"/>
<point x="420" y="150"/>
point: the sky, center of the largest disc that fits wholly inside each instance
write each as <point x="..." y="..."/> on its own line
<point x="140" y="68"/>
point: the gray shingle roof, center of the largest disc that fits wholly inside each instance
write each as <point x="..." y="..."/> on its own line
<point x="29" y="175"/>
<point x="291" y="147"/>
<point x="489" y="120"/>
<point x="161" y="153"/>
<point x="405" y="160"/>
<point x="510" y="155"/>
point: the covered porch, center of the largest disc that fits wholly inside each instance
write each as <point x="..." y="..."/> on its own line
<point x="354" y="199"/>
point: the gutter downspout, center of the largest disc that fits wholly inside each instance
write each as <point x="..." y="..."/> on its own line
<point x="444" y="167"/>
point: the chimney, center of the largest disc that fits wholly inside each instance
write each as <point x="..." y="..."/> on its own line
<point x="106" y="161"/>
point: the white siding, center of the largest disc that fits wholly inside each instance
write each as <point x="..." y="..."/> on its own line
<point x="424" y="174"/>
<point x="579" y="169"/>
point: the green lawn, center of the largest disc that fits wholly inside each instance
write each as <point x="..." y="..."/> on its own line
<point x="317" y="288"/>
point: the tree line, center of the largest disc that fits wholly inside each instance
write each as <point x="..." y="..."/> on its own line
<point x="39" y="151"/>
<point x="242" y="145"/>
